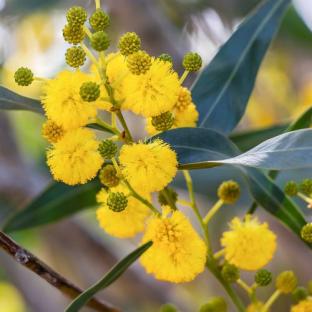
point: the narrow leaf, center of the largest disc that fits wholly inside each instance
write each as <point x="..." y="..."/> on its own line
<point x="222" y="90"/>
<point x="108" y="279"/>
<point x="58" y="201"/>
<point x="268" y="195"/>
<point x="291" y="150"/>
<point x="13" y="101"/>
<point x="304" y="121"/>
<point x="199" y="148"/>
<point x="249" y="139"/>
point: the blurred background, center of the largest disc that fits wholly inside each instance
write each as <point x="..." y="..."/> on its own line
<point x="30" y="35"/>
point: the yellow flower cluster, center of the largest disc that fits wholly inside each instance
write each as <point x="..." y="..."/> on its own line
<point x="131" y="170"/>
<point x="178" y="254"/>
<point x="249" y="244"/>
<point x="148" y="167"/>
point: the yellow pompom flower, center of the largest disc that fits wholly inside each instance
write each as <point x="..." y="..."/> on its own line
<point x="126" y="223"/>
<point x="249" y="244"/>
<point x="148" y="167"/>
<point x="178" y="254"/>
<point x="117" y="72"/>
<point x="153" y="93"/>
<point x="302" y="306"/>
<point x="75" y="158"/>
<point x="62" y="102"/>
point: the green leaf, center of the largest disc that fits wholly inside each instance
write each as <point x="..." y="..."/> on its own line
<point x="268" y="195"/>
<point x="200" y="148"/>
<point x="13" y="101"/>
<point x="304" y="121"/>
<point x="291" y="150"/>
<point x="249" y="139"/>
<point x="108" y="279"/>
<point x="193" y="144"/>
<point x="222" y="90"/>
<point x="58" y="201"/>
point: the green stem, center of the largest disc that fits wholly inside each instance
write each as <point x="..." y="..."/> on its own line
<point x="189" y="184"/>
<point x="97" y="4"/>
<point x="107" y="126"/>
<point x="212" y="266"/>
<point x="184" y="75"/>
<point x="90" y="55"/>
<point x="142" y="199"/>
<point x="213" y="211"/>
<point x="271" y="300"/>
<point x="87" y="31"/>
<point x="244" y="286"/>
<point x="124" y="125"/>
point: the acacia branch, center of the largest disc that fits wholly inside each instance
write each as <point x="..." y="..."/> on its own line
<point x="31" y="262"/>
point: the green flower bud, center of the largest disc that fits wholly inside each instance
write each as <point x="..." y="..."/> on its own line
<point x="299" y="294"/>
<point x="291" y="188"/>
<point x="286" y="282"/>
<point x="107" y="149"/>
<point x="99" y="20"/>
<point x="263" y="277"/>
<point x="73" y="34"/>
<point x="129" y="43"/>
<point x="24" y="76"/>
<point x="230" y="273"/>
<point x="117" y="201"/>
<point x="108" y="176"/>
<point x="229" y="192"/>
<point x="75" y="57"/>
<point x="139" y="63"/>
<point x="168" y="307"/>
<point x="89" y="91"/>
<point x="166" y="58"/>
<point x="163" y="121"/>
<point x="306" y="233"/>
<point x="306" y="187"/>
<point x="100" y="41"/>
<point x="192" y="62"/>
<point x="216" y="304"/>
<point x="162" y="198"/>
<point x="76" y="16"/>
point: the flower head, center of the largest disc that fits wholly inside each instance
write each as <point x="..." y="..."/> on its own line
<point x="178" y="254"/>
<point x="153" y="93"/>
<point x="116" y="72"/>
<point x="148" y="167"/>
<point x="126" y="223"/>
<point x="75" y="158"/>
<point x="303" y="306"/>
<point x="249" y="244"/>
<point x="62" y="101"/>
<point x="52" y="132"/>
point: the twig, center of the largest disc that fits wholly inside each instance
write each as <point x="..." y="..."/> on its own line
<point x="31" y="262"/>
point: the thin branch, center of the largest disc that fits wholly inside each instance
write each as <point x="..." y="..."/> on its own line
<point x="31" y="262"/>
